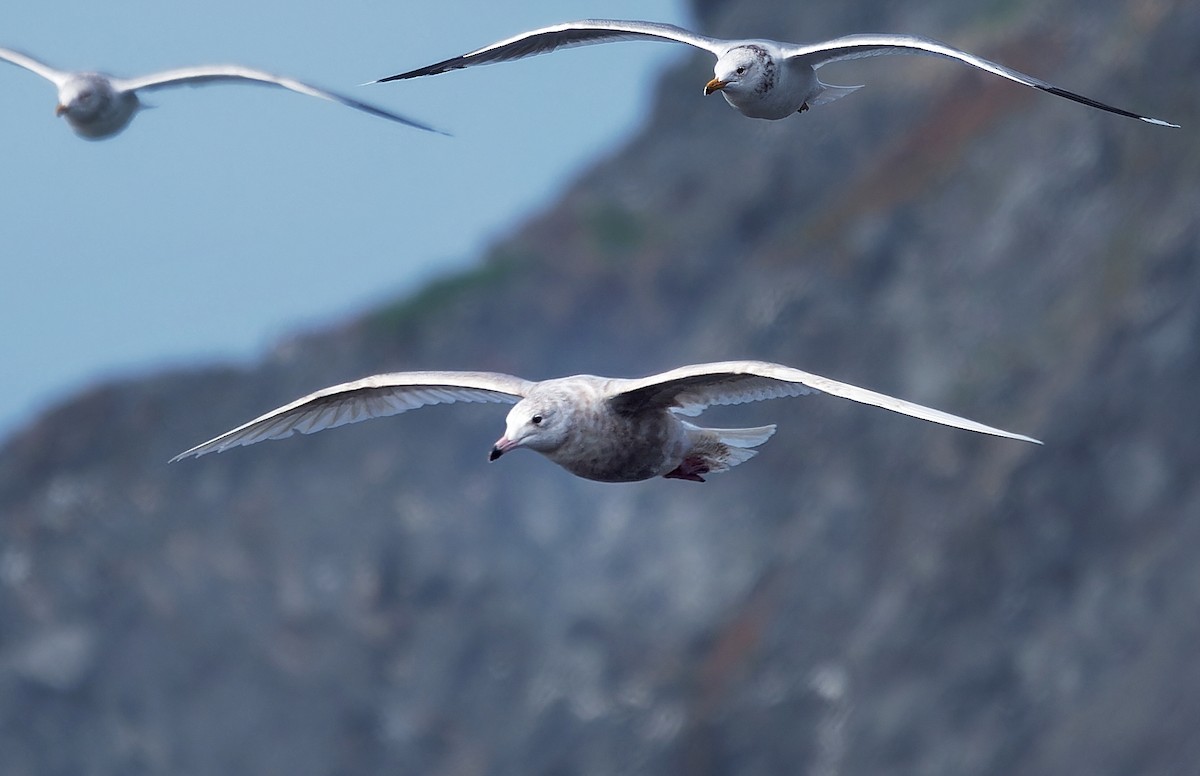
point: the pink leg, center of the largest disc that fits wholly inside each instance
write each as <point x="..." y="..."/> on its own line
<point x="691" y="469"/>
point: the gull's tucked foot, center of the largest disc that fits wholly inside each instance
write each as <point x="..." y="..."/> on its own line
<point x="691" y="469"/>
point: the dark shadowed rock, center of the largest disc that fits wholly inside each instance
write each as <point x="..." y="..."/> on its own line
<point x="58" y="657"/>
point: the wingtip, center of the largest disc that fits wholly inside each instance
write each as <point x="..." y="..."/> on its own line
<point x="427" y="128"/>
<point x="194" y="452"/>
<point x="424" y="127"/>
<point x="1159" y="122"/>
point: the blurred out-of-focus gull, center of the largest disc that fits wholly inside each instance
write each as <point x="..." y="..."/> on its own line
<point x="600" y="428"/>
<point x="764" y="79"/>
<point x="98" y="106"/>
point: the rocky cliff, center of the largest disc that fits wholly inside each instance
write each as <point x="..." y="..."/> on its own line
<point x="870" y="595"/>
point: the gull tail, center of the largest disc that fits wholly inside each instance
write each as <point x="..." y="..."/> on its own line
<point x="722" y="449"/>
<point x="829" y="93"/>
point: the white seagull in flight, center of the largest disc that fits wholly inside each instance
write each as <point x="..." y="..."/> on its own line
<point x="98" y="106"/>
<point x="598" y="428"/>
<point x="764" y="79"/>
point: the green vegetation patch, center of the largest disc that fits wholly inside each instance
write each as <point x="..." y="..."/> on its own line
<point x="615" y="230"/>
<point x="440" y="293"/>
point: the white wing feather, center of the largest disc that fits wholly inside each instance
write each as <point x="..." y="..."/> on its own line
<point x="371" y="397"/>
<point x="55" y="77"/>
<point x="688" y="390"/>
<point x="873" y="45"/>
<point x="200" y="76"/>
<point x="580" y="33"/>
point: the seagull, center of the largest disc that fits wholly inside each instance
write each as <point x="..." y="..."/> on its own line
<point x="764" y="79"/>
<point x="98" y="106"/>
<point x="599" y="428"/>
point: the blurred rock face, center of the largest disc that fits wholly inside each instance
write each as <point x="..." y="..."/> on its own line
<point x="870" y="596"/>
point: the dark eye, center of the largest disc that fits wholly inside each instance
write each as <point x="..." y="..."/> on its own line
<point x="536" y="420"/>
<point x="741" y="70"/>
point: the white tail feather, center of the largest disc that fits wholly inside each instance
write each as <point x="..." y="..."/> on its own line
<point x="829" y="93"/>
<point x="724" y="448"/>
<point x="732" y="457"/>
<point x="743" y="437"/>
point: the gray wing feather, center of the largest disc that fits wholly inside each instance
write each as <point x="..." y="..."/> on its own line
<point x="200" y="76"/>
<point x="580" y="33"/>
<point x="371" y="397"/>
<point x="688" y="390"/>
<point x="859" y="46"/>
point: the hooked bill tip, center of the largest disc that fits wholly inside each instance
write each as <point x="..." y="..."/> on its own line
<point x="502" y="446"/>
<point x="715" y="84"/>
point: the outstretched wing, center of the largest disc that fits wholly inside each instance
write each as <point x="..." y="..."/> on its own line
<point x="199" y="76"/>
<point x="371" y="397"/>
<point x="55" y="77"/>
<point x="859" y="46"/>
<point x="580" y="33"/>
<point x="688" y="390"/>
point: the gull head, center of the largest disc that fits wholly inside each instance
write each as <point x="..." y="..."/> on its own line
<point x="93" y="107"/>
<point x="539" y="423"/>
<point x="743" y="70"/>
<point x="83" y="98"/>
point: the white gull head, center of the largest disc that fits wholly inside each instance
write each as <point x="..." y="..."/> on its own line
<point x="541" y="421"/>
<point x="93" y="107"/>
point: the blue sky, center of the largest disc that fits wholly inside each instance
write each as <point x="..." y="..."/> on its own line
<point x="229" y="216"/>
